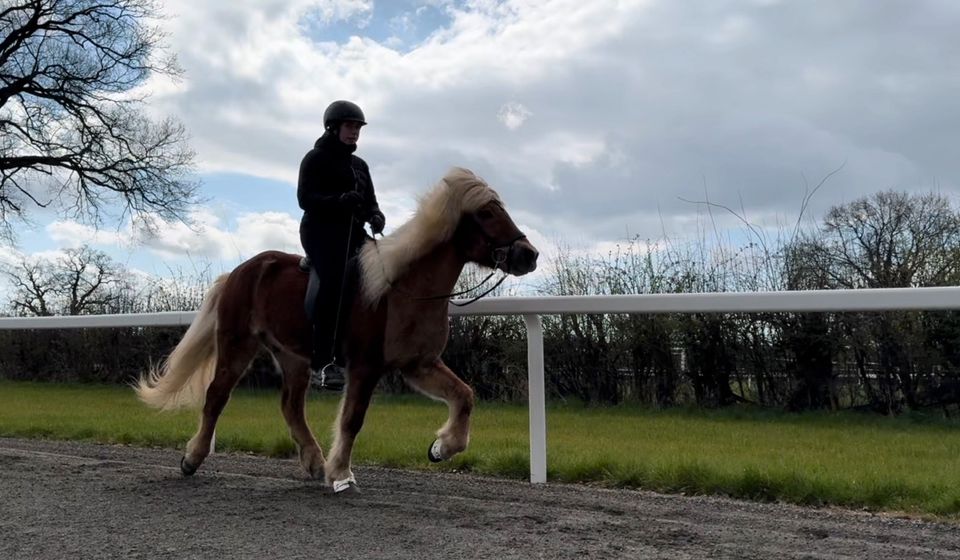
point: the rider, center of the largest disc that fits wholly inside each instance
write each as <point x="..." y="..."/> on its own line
<point x="336" y="194"/>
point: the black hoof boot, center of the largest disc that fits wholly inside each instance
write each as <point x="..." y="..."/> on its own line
<point x="186" y="468"/>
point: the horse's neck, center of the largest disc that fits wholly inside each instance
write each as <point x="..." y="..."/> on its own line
<point x="436" y="273"/>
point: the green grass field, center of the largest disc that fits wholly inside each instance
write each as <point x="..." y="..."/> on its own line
<point x="906" y="464"/>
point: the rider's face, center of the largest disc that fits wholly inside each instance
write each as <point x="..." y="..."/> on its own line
<point x="350" y="132"/>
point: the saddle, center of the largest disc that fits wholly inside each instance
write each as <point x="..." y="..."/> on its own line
<point x="313" y="288"/>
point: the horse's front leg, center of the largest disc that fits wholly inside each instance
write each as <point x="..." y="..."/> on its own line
<point x="361" y="381"/>
<point x="436" y="380"/>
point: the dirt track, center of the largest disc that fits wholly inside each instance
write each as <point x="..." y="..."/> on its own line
<point x="70" y="500"/>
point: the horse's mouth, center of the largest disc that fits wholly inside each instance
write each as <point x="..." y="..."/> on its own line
<point x="523" y="259"/>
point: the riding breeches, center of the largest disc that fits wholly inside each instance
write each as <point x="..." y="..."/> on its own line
<point x="330" y="247"/>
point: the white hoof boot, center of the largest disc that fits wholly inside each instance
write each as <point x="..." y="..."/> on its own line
<point x="434" y="452"/>
<point x="346" y="485"/>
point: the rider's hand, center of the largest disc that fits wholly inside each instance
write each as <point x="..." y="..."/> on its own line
<point x="377" y="222"/>
<point x="351" y="200"/>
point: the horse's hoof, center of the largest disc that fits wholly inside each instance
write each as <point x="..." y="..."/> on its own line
<point x="433" y="453"/>
<point x="346" y="486"/>
<point x="312" y="462"/>
<point x="316" y="473"/>
<point x="186" y="468"/>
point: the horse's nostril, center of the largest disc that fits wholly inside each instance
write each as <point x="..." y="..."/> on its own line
<point x="523" y="258"/>
<point x="530" y="257"/>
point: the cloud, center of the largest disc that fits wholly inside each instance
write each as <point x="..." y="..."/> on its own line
<point x="208" y="238"/>
<point x="9" y="255"/>
<point x="638" y="103"/>
<point x="256" y="85"/>
<point x="332" y="11"/>
<point x="70" y="234"/>
<point x="513" y="115"/>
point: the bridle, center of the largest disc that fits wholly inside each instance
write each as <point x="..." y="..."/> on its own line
<point x="499" y="253"/>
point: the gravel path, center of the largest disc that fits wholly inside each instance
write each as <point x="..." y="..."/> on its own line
<point x="79" y="500"/>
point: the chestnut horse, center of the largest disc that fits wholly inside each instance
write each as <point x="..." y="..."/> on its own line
<point x="394" y="322"/>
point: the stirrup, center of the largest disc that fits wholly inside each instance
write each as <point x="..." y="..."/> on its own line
<point x="331" y="378"/>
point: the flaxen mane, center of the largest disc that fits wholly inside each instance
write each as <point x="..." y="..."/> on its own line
<point x="435" y="221"/>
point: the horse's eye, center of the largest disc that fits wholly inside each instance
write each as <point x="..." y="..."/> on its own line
<point x="484" y="214"/>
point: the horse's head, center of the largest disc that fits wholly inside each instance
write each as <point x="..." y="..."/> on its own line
<point x="489" y="238"/>
<point x="461" y="209"/>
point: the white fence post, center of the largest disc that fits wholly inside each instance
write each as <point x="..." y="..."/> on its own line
<point x="537" y="399"/>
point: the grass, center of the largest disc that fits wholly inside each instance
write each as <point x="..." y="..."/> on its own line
<point x="906" y="464"/>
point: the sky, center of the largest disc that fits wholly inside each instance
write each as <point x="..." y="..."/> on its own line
<point x="597" y="122"/>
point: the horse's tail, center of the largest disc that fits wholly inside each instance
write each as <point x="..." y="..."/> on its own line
<point x="182" y="379"/>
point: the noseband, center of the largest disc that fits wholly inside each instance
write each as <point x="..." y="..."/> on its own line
<point x="500" y="253"/>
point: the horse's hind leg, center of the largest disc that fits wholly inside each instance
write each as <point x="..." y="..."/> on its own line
<point x="234" y="353"/>
<point x="437" y="381"/>
<point x="353" y="409"/>
<point x="296" y="383"/>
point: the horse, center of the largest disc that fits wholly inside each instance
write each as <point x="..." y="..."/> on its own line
<point x="397" y="320"/>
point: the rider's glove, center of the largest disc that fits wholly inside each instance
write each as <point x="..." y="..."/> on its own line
<point x="377" y="222"/>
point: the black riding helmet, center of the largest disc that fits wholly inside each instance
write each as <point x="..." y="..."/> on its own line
<point x="340" y="111"/>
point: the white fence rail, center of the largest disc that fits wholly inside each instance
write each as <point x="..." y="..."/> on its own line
<point x="532" y="308"/>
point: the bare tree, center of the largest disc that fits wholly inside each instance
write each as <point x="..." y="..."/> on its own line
<point x="82" y="281"/>
<point x="893" y="239"/>
<point x="888" y="240"/>
<point x="89" y="280"/>
<point x="73" y="135"/>
<point x="33" y="287"/>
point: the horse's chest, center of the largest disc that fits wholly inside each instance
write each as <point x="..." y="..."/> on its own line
<point x="415" y="335"/>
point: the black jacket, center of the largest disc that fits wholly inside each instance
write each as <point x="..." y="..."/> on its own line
<point x="326" y="172"/>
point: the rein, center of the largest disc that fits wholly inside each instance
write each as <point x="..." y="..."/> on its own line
<point x="477" y="298"/>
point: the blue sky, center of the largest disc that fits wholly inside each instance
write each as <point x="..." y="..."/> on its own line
<point x="594" y="120"/>
<point x="399" y="24"/>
